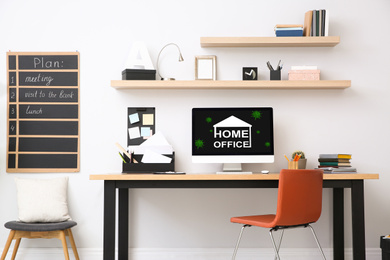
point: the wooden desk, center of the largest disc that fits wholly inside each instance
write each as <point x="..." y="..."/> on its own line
<point x="124" y="182"/>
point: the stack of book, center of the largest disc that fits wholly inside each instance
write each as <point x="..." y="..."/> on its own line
<point x="336" y="163"/>
<point x="288" y="30"/>
<point x="316" y="23"/>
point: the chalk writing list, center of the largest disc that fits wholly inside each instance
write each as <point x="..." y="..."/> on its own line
<point x="43" y="112"/>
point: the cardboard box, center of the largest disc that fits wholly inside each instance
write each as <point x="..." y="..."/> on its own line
<point x="134" y="74"/>
<point x="304" y="75"/>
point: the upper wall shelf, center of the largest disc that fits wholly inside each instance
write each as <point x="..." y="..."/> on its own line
<point x="231" y="84"/>
<point x="328" y="41"/>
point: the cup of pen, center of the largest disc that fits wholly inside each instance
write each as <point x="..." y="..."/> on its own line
<point x="275" y="74"/>
<point x="293" y="165"/>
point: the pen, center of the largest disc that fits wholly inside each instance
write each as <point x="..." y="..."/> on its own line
<point x="279" y="65"/>
<point x="286" y="158"/>
<point x="269" y="66"/>
<point x="122" y="157"/>
<point x="123" y="150"/>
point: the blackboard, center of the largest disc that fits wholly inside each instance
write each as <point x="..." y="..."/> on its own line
<point x="43" y="112"/>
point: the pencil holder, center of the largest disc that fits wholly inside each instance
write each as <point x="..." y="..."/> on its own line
<point x="275" y="74"/>
<point x="293" y="165"/>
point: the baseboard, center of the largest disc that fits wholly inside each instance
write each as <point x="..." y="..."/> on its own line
<point x="191" y="253"/>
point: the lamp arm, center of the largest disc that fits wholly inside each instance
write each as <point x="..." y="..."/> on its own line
<point x="158" y="57"/>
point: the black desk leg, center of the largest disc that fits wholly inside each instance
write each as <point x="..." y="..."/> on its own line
<point x="123" y="233"/>
<point x="338" y="223"/>
<point x="109" y="221"/>
<point x="358" y="228"/>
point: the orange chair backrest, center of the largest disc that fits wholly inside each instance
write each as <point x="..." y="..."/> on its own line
<point x="299" y="197"/>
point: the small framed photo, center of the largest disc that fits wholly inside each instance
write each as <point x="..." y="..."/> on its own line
<point x="206" y="67"/>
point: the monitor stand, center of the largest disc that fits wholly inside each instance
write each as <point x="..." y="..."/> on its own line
<point x="232" y="168"/>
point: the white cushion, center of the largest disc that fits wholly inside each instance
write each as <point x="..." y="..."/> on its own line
<point x="42" y="200"/>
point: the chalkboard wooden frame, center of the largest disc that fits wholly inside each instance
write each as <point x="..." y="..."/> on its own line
<point x="43" y="112"/>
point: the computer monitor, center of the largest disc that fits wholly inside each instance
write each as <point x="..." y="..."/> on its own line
<point x="232" y="136"/>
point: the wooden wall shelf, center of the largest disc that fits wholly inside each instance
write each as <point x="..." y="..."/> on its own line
<point x="328" y="41"/>
<point x="231" y="84"/>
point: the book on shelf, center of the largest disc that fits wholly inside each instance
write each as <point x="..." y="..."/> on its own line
<point x="288" y="30"/>
<point x="307" y="23"/>
<point x="316" y="23"/>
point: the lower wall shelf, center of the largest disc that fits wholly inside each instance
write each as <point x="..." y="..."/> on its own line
<point x="230" y="84"/>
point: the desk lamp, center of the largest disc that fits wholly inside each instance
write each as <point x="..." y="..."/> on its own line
<point x="180" y="60"/>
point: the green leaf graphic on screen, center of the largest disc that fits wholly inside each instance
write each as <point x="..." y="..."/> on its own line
<point x="209" y="119"/>
<point x="256" y="114"/>
<point x="267" y="144"/>
<point x="199" y="143"/>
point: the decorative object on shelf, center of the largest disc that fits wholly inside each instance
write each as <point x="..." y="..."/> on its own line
<point x="206" y="67"/>
<point x="158" y="58"/>
<point x="304" y="73"/>
<point x="275" y="74"/>
<point x="299" y="156"/>
<point x="138" y="74"/>
<point x="139" y="57"/>
<point x="249" y="73"/>
<point x="139" y="65"/>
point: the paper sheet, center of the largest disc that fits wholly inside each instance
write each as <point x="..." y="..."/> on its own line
<point x="134" y="132"/>
<point x="134" y="118"/>
<point x="153" y="157"/>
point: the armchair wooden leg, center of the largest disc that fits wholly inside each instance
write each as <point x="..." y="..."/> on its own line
<point x="71" y="239"/>
<point x="64" y="246"/>
<point x="7" y="244"/>
<point x="16" y="247"/>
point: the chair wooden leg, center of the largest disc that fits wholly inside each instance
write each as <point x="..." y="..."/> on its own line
<point x="16" y="247"/>
<point x="76" y="255"/>
<point x="64" y="246"/>
<point x="7" y="244"/>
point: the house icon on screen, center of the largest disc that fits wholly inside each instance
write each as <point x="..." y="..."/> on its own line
<point x="234" y="128"/>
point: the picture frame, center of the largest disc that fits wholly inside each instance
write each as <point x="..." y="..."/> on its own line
<point x="206" y="67"/>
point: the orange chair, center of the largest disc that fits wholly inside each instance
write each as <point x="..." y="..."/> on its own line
<point x="299" y="204"/>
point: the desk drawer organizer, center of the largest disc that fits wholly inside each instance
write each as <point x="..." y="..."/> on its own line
<point x="148" y="167"/>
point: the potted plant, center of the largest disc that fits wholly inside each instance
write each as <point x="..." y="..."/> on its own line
<point x="302" y="160"/>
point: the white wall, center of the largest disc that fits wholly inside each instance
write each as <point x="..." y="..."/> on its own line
<point x="355" y="120"/>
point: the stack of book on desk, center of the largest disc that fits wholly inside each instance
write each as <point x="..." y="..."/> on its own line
<point x="288" y="30"/>
<point x="336" y="163"/>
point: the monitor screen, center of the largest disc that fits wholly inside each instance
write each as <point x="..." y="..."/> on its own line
<point x="232" y="135"/>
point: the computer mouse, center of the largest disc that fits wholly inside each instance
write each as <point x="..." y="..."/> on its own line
<point x="264" y="171"/>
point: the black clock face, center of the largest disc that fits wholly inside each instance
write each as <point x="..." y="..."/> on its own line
<point x="249" y="73"/>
